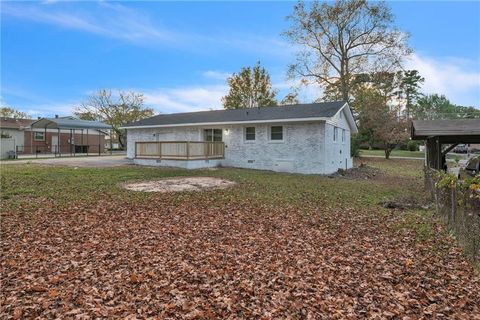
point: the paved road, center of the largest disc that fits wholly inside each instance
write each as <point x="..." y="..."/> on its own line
<point x="373" y="156"/>
<point x="94" y="162"/>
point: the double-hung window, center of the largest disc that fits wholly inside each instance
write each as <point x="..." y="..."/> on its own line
<point x="335" y="134"/>
<point x="250" y="133"/>
<point x="276" y="133"/>
<point x="39" y="136"/>
<point x="343" y="135"/>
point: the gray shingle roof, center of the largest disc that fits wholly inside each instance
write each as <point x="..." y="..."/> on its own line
<point x="312" y="110"/>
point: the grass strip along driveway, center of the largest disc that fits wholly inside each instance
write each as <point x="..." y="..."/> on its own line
<point x="75" y="244"/>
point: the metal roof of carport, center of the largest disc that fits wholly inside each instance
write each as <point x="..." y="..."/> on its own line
<point x="69" y="123"/>
<point x="448" y="131"/>
<point x="438" y="133"/>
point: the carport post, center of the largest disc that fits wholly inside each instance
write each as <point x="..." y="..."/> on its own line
<point x="99" y="142"/>
<point x="73" y="140"/>
<point x="111" y="141"/>
<point x="82" y="141"/>
<point x="88" y="145"/>
<point x="59" y="143"/>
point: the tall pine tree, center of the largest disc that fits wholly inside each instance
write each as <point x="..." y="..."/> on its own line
<point x="250" y="88"/>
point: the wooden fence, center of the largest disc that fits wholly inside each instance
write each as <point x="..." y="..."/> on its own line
<point x="180" y="150"/>
<point x="459" y="207"/>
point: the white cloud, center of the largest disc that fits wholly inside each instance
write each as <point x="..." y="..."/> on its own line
<point x="117" y="21"/>
<point x="458" y="79"/>
<point x="185" y="99"/>
<point x="216" y="75"/>
<point x="113" y="20"/>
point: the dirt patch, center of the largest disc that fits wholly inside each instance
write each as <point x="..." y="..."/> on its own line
<point x="404" y="202"/>
<point x="180" y="184"/>
<point x="362" y="172"/>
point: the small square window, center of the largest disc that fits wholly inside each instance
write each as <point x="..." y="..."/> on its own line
<point x="39" y="136"/>
<point x="250" y="133"/>
<point x="276" y="133"/>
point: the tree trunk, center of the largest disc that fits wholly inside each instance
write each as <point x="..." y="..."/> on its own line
<point x="121" y="142"/>
<point x="408" y="105"/>
<point x="387" y="152"/>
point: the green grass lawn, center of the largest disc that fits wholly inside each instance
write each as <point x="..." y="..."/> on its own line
<point x="76" y="243"/>
<point x="395" y="153"/>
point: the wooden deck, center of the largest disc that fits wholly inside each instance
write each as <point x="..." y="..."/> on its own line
<point x="179" y="150"/>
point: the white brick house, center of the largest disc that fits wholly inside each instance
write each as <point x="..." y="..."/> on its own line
<point x="304" y="138"/>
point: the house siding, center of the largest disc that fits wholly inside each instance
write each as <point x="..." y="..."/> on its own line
<point x="16" y="135"/>
<point x="337" y="153"/>
<point x="301" y="151"/>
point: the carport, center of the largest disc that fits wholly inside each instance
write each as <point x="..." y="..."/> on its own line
<point x="77" y="132"/>
<point x="442" y="136"/>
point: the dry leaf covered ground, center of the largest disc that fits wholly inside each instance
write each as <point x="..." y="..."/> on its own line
<point x="76" y="244"/>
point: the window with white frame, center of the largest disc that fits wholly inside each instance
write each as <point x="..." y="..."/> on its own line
<point x="335" y="133"/>
<point x="250" y="133"/>
<point x="343" y="135"/>
<point x="39" y="136"/>
<point x="276" y="133"/>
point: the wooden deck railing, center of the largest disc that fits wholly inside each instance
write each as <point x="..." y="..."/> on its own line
<point x="180" y="150"/>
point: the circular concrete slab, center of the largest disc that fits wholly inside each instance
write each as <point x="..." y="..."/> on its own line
<point x="180" y="184"/>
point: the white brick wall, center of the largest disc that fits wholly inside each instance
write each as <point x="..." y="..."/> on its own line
<point x="301" y="151"/>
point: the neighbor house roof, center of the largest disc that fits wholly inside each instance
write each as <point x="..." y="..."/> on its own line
<point x="69" y="123"/>
<point x="422" y="129"/>
<point x="12" y="123"/>
<point x="297" y="112"/>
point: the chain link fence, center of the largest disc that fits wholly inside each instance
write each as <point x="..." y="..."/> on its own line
<point x="459" y="206"/>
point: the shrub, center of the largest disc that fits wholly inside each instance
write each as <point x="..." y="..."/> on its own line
<point x="413" y="145"/>
<point x="355" y="146"/>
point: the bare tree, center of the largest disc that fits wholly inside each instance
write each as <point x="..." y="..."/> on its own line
<point x="115" y="110"/>
<point x="338" y="40"/>
<point x="290" y="99"/>
<point x="8" y="112"/>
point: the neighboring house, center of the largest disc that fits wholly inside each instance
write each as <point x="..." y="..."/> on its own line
<point x="54" y="135"/>
<point x="15" y="129"/>
<point x="304" y="138"/>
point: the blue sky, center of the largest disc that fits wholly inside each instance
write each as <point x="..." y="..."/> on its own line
<point x="53" y="54"/>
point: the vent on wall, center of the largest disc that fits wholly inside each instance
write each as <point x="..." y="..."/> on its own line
<point x="250" y="161"/>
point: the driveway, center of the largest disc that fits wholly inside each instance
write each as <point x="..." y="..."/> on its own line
<point x="93" y="162"/>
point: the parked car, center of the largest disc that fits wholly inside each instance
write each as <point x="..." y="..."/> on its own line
<point x="461" y="148"/>
<point x="471" y="169"/>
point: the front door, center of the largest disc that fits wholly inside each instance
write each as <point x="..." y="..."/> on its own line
<point x="55" y="148"/>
